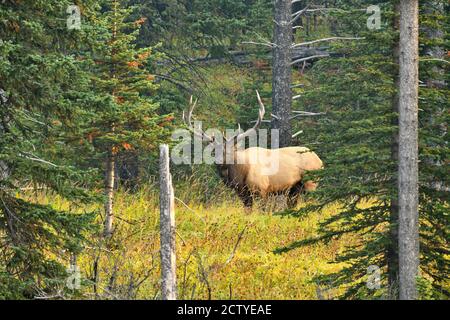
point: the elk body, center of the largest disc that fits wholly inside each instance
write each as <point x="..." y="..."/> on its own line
<point x="262" y="171"/>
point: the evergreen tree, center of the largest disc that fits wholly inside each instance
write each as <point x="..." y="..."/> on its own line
<point x="357" y="89"/>
<point x="213" y="26"/>
<point x="123" y="118"/>
<point x="41" y="87"/>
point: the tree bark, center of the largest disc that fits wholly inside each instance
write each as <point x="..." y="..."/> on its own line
<point x="282" y="58"/>
<point x="167" y="227"/>
<point x="109" y="192"/>
<point x="408" y="150"/>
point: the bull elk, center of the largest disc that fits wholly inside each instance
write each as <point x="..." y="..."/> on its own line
<point x="249" y="173"/>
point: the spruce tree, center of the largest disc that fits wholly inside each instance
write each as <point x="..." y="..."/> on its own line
<point x="357" y="89"/>
<point x="123" y="117"/>
<point x="41" y="88"/>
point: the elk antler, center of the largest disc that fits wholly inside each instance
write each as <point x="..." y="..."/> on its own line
<point x="188" y="121"/>
<point x="261" y="112"/>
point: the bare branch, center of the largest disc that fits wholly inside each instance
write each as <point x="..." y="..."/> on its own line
<point x="334" y="9"/>
<point x="434" y="59"/>
<point x="297" y="133"/>
<point x="35" y="158"/>
<point x="235" y="246"/>
<point x="324" y="39"/>
<point x="299" y="114"/>
<point x="307" y="113"/>
<point x="298" y="14"/>
<point x="309" y="58"/>
<point x="187" y="207"/>
<point x="268" y="44"/>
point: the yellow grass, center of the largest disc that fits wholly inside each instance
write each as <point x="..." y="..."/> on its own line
<point x="206" y="240"/>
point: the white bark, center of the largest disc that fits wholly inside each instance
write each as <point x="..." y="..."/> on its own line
<point x="408" y="150"/>
<point x="167" y="228"/>
<point x="109" y="192"/>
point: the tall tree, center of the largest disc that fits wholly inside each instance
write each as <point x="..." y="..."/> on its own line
<point x="282" y="71"/>
<point x="124" y="116"/>
<point x="42" y="88"/>
<point x="356" y="88"/>
<point x="408" y="166"/>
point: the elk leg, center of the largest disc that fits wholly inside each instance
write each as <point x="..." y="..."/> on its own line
<point x="310" y="186"/>
<point x="294" y="194"/>
<point x="246" y="198"/>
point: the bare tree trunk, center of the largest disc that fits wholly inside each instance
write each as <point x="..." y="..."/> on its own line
<point x="109" y="191"/>
<point x="281" y="83"/>
<point x="308" y="26"/>
<point x="408" y="193"/>
<point x="167" y="227"/>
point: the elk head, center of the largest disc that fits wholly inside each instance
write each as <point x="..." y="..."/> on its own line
<point x="228" y="145"/>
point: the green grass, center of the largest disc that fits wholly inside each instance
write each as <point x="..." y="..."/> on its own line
<point x="208" y="265"/>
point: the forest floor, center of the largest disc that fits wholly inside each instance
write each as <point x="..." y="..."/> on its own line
<point x="222" y="252"/>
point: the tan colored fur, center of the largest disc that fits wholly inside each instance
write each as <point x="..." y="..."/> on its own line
<point x="293" y="163"/>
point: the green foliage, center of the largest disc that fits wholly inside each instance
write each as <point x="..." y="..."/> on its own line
<point x="123" y="115"/>
<point x="71" y="98"/>
<point x="41" y="86"/>
<point x="207" y="234"/>
<point x="355" y="139"/>
<point x="214" y="26"/>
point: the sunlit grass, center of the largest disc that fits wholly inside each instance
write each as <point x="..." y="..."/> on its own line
<point x="208" y="266"/>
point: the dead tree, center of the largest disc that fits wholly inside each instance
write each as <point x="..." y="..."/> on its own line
<point x="109" y="193"/>
<point x="408" y="169"/>
<point x="283" y="61"/>
<point x="281" y="71"/>
<point x="167" y="227"/>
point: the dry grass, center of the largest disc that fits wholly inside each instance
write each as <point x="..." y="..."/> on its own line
<point x="222" y="252"/>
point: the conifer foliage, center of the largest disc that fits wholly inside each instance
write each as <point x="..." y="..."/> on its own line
<point x="123" y="117"/>
<point x="40" y="90"/>
<point x="356" y="138"/>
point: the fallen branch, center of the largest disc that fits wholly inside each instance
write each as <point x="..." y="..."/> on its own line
<point x="309" y="58"/>
<point x="325" y="39"/>
<point x="297" y="133"/>
<point x="241" y="234"/>
<point x="268" y="44"/>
